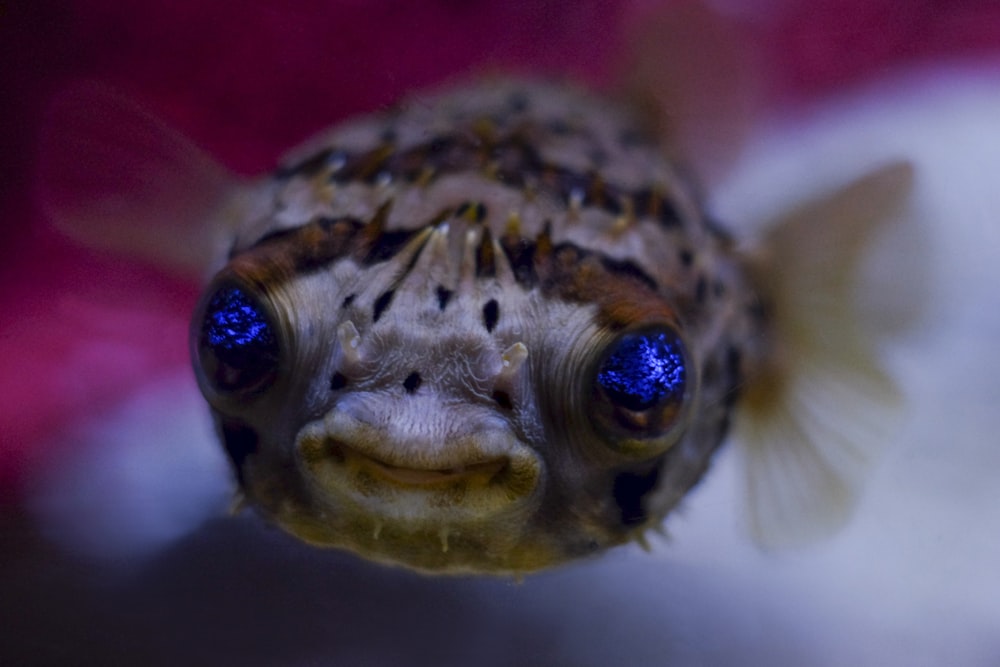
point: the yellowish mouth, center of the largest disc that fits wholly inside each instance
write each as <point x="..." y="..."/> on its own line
<point x="470" y="485"/>
<point x="465" y="509"/>
<point x="479" y="473"/>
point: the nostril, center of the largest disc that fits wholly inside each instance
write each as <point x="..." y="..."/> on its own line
<point x="338" y="381"/>
<point x="412" y="382"/>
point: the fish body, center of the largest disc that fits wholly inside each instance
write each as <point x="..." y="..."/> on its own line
<point x="500" y="333"/>
<point x="494" y="329"/>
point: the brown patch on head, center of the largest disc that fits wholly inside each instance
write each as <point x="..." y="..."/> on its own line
<point x="285" y="254"/>
<point x="623" y="294"/>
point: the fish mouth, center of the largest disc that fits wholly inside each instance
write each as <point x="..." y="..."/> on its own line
<point x="461" y="503"/>
<point x="486" y="474"/>
<point x="481" y="471"/>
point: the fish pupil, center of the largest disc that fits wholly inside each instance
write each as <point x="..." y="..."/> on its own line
<point x="238" y="342"/>
<point x="643" y="370"/>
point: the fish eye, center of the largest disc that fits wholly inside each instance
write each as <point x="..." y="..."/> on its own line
<point x="640" y="387"/>
<point x="237" y="346"/>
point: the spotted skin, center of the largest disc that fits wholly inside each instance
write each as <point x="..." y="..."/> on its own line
<point x="444" y="279"/>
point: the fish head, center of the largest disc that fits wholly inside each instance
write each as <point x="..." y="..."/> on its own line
<point x="434" y="407"/>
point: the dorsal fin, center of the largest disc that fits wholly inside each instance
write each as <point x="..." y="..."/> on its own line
<point x="697" y="78"/>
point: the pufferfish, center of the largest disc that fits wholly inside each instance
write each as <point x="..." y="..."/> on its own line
<point x="495" y="328"/>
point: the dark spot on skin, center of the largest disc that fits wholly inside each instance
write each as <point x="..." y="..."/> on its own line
<point x="668" y="216"/>
<point x="686" y="257"/>
<point x="631" y="137"/>
<point x="654" y="205"/>
<point x="240" y="441"/>
<point x="388" y="245"/>
<point x="338" y="381"/>
<point x="324" y="223"/>
<point x="758" y="311"/>
<point x="569" y="184"/>
<point x="443" y="296"/>
<point x="701" y="290"/>
<point x="521" y="256"/>
<point x="381" y="303"/>
<point x="598" y="156"/>
<point x="597" y="192"/>
<point x="710" y="371"/>
<point x="630" y="490"/>
<point x="348" y="300"/>
<point x="486" y="265"/>
<point x="559" y="127"/>
<point x="412" y="382"/>
<point x="515" y="160"/>
<point x="629" y="269"/>
<point x="502" y="399"/>
<point x="491" y="313"/>
<point x="438" y="145"/>
<point x="613" y="204"/>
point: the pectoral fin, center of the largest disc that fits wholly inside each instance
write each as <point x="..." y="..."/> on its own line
<point x="819" y="408"/>
<point x="113" y="177"/>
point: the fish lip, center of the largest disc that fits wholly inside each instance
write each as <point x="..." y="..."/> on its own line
<point x="491" y="473"/>
<point x="487" y="469"/>
<point x="470" y="506"/>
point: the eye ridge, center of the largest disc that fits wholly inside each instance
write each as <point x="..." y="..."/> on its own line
<point x="643" y="370"/>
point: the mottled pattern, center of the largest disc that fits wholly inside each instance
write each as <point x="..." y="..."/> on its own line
<point x="444" y="280"/>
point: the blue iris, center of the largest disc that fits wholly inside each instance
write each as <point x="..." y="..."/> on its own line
<point x="237" y="340"/>
<point x="643" y="370"/>
<point x="234" y="322"/>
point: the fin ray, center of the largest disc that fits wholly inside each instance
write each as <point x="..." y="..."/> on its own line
<point x="819" y="408"/>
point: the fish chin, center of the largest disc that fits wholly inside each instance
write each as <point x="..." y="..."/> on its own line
<point x="466" y="509"/>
